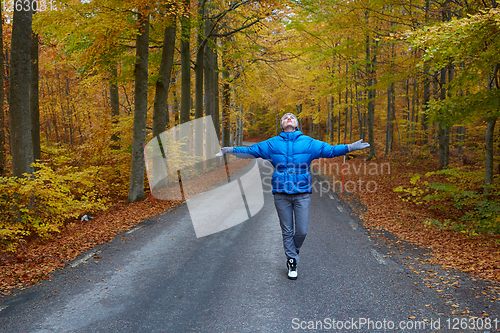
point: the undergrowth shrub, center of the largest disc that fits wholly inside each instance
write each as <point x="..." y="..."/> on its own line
<point x="39" y="204"/>
<point x="457" y="188"/>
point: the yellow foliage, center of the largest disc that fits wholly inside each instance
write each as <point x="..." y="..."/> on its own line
<point x="39" y="204"/>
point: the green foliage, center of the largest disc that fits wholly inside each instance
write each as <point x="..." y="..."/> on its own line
<point x="413" y="193"/>
<point x="39" y="204"/>
<point x="464" y="109"/>
<point x="471" y="46"/>
<point x="459" y="189"/>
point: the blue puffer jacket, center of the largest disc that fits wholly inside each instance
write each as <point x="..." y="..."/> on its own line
<point x="291" y="154"/>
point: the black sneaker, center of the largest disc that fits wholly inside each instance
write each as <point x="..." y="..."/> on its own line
<point x="292" y="268"/>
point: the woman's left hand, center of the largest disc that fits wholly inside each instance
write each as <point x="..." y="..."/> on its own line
<point x="358" y="145"/>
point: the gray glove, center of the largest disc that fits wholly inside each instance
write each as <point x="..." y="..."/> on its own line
<point x="358" y="145"/>
<point x="224" y="151"/>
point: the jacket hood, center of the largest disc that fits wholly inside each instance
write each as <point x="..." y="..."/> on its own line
<point x="290" y="135"/>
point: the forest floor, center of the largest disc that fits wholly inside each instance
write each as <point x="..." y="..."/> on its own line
<point x="368" y="189"/>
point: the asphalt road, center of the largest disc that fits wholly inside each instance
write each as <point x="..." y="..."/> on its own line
<point x="159" y="277"/>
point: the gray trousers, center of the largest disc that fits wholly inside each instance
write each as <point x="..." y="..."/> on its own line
<point x="288" y="206"/>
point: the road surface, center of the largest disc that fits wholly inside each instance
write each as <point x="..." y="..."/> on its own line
<point x="158" y="277"/>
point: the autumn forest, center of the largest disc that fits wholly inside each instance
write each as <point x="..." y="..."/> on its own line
<point x="87" y="84"/>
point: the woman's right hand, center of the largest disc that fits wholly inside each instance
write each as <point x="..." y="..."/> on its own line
<point x="224" y="151"/>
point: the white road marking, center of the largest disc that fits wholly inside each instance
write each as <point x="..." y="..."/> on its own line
<point x="330" y="195"/>
<point x="79" y="261"/>
<point x="340" y="208"/>
<point x="132" y="230"/>
<point x="379" y="257"/>
<point x="3" y="307"/>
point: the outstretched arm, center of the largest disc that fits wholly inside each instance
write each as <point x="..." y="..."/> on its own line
<point x="260" y="149"/>
<point x="325" y="150"/>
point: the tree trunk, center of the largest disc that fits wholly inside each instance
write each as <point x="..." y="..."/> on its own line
<point x="461" y="140"/>
<point x="346" y="101"/>
<point x="240" y="143"/>
<point x="176" y="107"/>
<point x="311" y="132"/>
<point x="115" y="105"/>
<point x="299" y="111"/>
<point x="20" y="73"/>
<point x="216" y="114"/>
<point x="489" y="140"/>
<point x="414" y="117"/>
<point x="226" y="102"/>
<point x="136" y="187"/>
<point x="319" y="122"/>
<point x="160" y="109"/>
<point x="425" y="105"/>
<point x="489" y="136"/>
<point x="409" y="119"/>
<point x="391" y="107"/>
<point x="2" y="92"/>
<point x="444" y="143"/>
<point x="277" y="124"/>
<point x="68" y="112"/>
<point x="185" y="115"/>
<point x="427" y="87"/>
<point x="388" y="127"/>
<point x="34" y="103"/>
<point x="210" y="87"/>
<point x="443" y="132"/>
<point x="328" y="124"/>
<point x="360" y="118"/>
<point x="198" y="70"/>
<point x="113" y="94"/>
<point x="370" y="70"/>
<point x="332" y="119"/>
<point x="209" y="71"/>
<point x="350" y="115"/>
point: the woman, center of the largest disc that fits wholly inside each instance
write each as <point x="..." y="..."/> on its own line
<point x="291" y="154"/>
